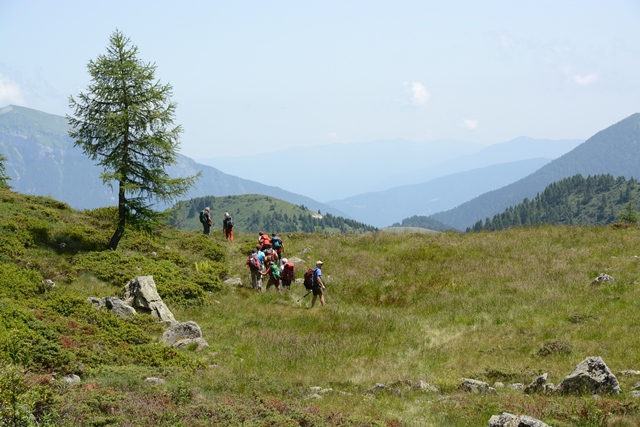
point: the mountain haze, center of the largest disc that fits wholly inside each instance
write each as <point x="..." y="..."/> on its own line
<point x="520" y="148"/>
<point x="614" y="150"/>
<point x="386" y="207"/>
<point x="343" y="170"/>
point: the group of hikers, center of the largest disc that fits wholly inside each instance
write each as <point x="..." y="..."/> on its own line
<point x="267" y="259"/>
<point x="207" y="223"/>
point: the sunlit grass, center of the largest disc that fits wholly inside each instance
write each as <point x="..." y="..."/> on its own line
<point x="434" y="307"/>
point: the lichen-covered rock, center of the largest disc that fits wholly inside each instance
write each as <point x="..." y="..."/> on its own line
<point x="509" y="420"/>
<point x="537" y="386"/>
<point x="476" y="387"/>
<point x="590" y="376"/>
<point x="603" y="279"/>
<point x="141" y="294"/>
<point x="180" y="335"/>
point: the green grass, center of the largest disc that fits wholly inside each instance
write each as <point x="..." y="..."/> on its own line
<point x="503" y="306"/>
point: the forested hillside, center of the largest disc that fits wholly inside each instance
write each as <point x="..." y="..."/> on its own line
<point x="614" y="150"/>
<point x="595" y="200"/>
<point x="254" y="212"/>
<point x="423" y="222"/>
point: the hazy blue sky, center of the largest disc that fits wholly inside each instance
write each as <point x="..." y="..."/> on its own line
<point x="259" y="76"/>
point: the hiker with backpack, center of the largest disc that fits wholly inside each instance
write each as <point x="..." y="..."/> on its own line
<point x="206" y="221"/>
<point x="274" y="275"/>
<point x="318" y="288"/>
<point x="255" y="268"/>
<point x="263" y="240"/>
<point x="227" y="226"/>
<point x="287" y="273"/>
<point x="277" y="245"/>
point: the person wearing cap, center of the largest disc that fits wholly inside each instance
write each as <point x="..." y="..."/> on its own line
<point x="318" y="285"/>
<point x="227" y="226"/>
<point x="208" y="222"/>
<point x="287" y="272"/>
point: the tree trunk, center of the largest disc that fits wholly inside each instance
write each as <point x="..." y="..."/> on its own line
<point x="122" y="220"/>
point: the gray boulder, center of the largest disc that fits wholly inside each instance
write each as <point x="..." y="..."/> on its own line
<point x="537" y="386"/>
<point x="509" y="420"/>
<point x="118" y="307"/>
<point x="141" y="294"/>
<point x="71" y="379"/>
<point x="115" y="304"/>
<point x="180" y="335"/>
<point x="380" y="388"/>
<point x="590" y="376"/>
<point x="235" y="281"/>
<point x="476" y="387"/>
<point x="603" y="279"/>
<point x="154" y="381"/>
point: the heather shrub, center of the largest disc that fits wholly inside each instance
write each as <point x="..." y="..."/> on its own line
<point x="181" y="293"/>
<point x="11" y="248"/>
<point x="140" y="242"/>
<point x="204" y="246"/>
<point x="25" y="402"/>
<point x="174" y="257"/>
<point x="16" y="282"/>
<point x="119" y="268"/>
<point x="29" y="341"/>
<point x="158" y="355"/>
<point x="74" y="238"/>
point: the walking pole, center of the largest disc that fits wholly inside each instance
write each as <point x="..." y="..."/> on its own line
<point x="305" y="295"/>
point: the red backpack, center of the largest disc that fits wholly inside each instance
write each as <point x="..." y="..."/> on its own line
<point x="253" y="262"/>
<point x="288" y="272"/>
<point x="308" y="278"/>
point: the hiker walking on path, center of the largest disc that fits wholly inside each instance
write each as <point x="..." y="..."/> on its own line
<point x="263" y="240"/>
<point x="227" y="226"/>
<point x="205" y="219"/>
<point x="274" y="275"/>
<point x="287" y="273"/>
<point x="318" y="285"/>
<point x="277" y="245"/>
<point x="255" y="269"/>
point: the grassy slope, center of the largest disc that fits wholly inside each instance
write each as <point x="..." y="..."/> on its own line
<point x="408" y="307"/>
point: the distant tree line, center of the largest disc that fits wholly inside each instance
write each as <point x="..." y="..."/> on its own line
<point x="423" y="222"/>
<point x="595" y="200"/>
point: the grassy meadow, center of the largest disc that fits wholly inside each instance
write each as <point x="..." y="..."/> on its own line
<point x="401" y="308"/>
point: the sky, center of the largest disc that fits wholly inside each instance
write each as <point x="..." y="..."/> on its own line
<point x="254" y="77"/>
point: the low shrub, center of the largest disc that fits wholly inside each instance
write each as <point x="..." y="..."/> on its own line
<point x="182" y="294"/>
<point x="74" y="238"/>
<point x="19" y="283"/>
<point x="204" y="246"/>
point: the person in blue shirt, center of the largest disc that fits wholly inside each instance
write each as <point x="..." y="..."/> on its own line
<point x="318" y="285"/>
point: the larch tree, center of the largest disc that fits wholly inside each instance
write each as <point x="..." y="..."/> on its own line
<point x="3" y="174"/>
<point x="125" y="122"/>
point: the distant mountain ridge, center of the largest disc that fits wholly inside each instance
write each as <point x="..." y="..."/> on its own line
<point x="42" y="160"/>
<point x="381" y="165"/>
<point x="374" y="163"/>
<point x="387" y="207"/>
<point x="614" y="150"/>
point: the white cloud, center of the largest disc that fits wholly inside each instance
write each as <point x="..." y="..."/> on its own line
<point x="470" y="123"/>
<point x="585" y="80"/>
<point x="10" y="92"/>
<point x="418" y="93"/>
<point x="506" y="42"/>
